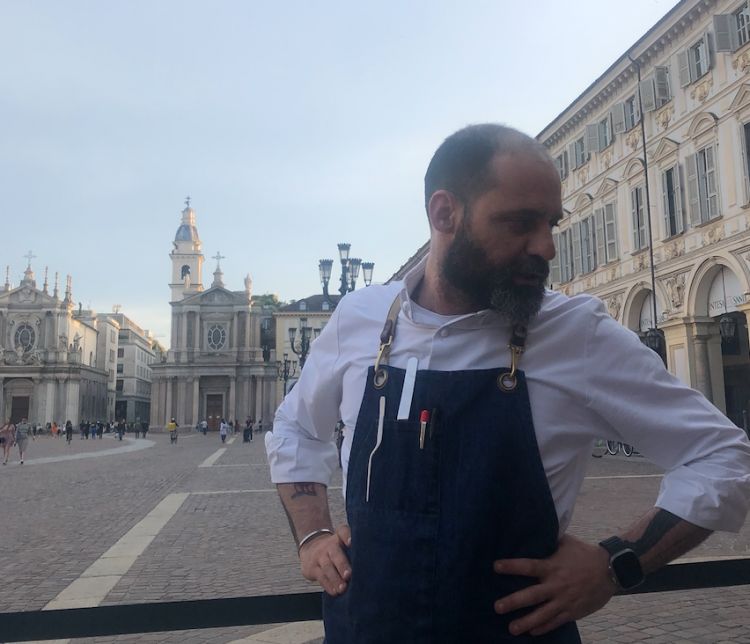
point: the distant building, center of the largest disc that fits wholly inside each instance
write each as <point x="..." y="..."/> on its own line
<point x="135" y="355"/>
<point x="312" y="312"/>
<point x="54" y="360"/>
<point x="215" y="367"/>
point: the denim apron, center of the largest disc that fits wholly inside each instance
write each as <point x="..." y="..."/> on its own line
<point x="430" y="513"/>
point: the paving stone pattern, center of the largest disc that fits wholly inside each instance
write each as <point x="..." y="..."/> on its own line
<point x="231" y="538"/>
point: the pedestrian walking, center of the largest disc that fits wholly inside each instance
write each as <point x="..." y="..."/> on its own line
<point x="137" y="428"/>
<point x="23" y="429"/>
<point x="468" y="430"/>
<point x="68" y="432"/>
<point x="247" y="434"/>
<point x="144" y="428"/>
<point x="223" y="430"/>
<point x="121" y="429"/>
<point x="172" y="429"/>
<point x="7" y="435"/>
<point x="100" y="429"/>
<point x="204" y="427"/>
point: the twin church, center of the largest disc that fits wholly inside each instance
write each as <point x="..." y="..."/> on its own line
<point x="217" y="365"/>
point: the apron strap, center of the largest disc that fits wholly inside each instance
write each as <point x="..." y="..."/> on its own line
<point x="507" y="380"/>
<point x="386" y="340"/>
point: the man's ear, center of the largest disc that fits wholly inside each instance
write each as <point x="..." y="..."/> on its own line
<point x="444" y="211"/>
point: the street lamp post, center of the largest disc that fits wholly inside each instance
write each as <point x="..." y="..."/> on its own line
<point x="654" y="338"/>
<point x="349" y="271"/>
<point x="286" y="370"/>
<point x="306" y="336"/>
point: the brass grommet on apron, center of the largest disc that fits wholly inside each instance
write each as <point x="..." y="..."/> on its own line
<point x="508" y="380"/>
<point x="380" y="378"/>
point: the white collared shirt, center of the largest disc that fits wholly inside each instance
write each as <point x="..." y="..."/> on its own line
<point x="588" y="377"/>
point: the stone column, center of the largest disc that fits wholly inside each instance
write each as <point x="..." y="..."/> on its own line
<point x="2" y="401"/>
<point x="232" y="407"/>
<point x="196" y="400"/>
<point x="72" y="388"/>
<point x="197" y="332"/>
<point x="181" y="400"/>
<point x="258" y="399"/>
<point x="155" y="401"/>
<point x="50" y="397"/>
<point x="168" y="402"/>
<point x="702" y="368"/>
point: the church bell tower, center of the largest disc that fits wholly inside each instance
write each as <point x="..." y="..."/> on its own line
<point x="187" y="259"/>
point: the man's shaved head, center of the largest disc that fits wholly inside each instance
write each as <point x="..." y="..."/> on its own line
<point x="461" y="165"/>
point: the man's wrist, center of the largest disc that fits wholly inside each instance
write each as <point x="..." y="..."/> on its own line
<point x="312" y="536"/>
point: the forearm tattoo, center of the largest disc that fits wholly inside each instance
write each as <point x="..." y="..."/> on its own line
<point x="304" y="489"/>
<point x="662" y="522"/>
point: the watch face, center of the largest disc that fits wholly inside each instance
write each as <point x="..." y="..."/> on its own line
<point x="627" y="569"/>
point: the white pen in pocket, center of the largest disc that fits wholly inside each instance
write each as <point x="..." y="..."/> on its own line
<point x="407" y="391"/>
<point x="378" y="439"/>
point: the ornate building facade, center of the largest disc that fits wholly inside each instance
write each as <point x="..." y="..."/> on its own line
<point x="688" y="204"/>
<point x="215" y="367"/>
<point x="54" y="361"/>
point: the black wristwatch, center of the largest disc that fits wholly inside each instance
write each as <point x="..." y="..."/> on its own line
<point x="624" y="565"/>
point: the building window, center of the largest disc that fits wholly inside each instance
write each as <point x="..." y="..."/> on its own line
<point x="702" y="186"/>
<point x="631" y="112"/>
<point x="119" y="384"/>
<point x="25" y="337"/>
<point x="561" y="161"/>
<point x="120" y="352"/>
<point x="657" y="89"/>
<point x="120" y="368"/>
<point x="742" y="23"/>
<point x="605" y="234"/>
<point x="588" y="245"/>
<point x="578" y="155"/>
<point x="694" y="62"/>
<point x="217" y="337"/>
<point x="672" y="201"/>
<point x="566" y="255"/>
<point x="111" y="355"/>
<point x="638" y="210"/>
<point x="605" y="133"/>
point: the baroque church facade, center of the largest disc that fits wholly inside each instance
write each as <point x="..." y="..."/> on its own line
<point x="216" y="366"/>
<point x="56" y="363"/>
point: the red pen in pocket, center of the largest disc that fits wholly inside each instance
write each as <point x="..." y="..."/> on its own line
<point x="424" y="418"/>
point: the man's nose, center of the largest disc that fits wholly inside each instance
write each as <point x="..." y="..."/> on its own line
<point x="541" y="242"/>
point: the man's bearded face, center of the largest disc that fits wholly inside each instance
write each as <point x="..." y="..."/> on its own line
<point x="467" y="268"/>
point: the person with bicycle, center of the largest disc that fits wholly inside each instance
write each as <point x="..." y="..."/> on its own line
<point x="471" y="397"/>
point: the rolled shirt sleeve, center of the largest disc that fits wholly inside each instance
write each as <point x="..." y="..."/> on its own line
<point x="706" y="457"/>
<point x="301" y="446"/>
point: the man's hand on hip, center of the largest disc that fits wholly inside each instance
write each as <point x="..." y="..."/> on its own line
<point x="324" y="561"/>
<point x="573" y="582"/>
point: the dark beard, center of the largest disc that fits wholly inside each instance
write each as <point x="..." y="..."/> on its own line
<point x="467" y="268"/>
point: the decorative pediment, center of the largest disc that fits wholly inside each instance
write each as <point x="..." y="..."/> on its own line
<point x="702" y="123"/>
<point x="28" y="296"/>
<point x="633" y="168"/>
<point x="605" y="187"/>
<point x="741" y="98"/>
<point x="666" y="147"/>
<point x="217" y="295"/>
<point x="584" y="201"/>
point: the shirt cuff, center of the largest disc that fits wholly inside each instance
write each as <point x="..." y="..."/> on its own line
<point x="297" y="459"/>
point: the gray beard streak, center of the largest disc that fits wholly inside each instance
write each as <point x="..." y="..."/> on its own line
<point x="518" y="304"/>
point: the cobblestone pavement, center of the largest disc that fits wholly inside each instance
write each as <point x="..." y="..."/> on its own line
<point x="229" y="537"/>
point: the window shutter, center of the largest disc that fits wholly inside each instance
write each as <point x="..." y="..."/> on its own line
<point x="711" y="188"/>
<point x="572" y="155"/>
<point x="601" y="240"/>
<point x="665" y="202"/>
<point x="592" y="138"/>
<point x="678" y="198"/>
<point x="693" y="194"/>
<point x="708" y="39"/>
<point x="554" y="265"/>
<point x="634" y="217"/>
<point x="565" y="164"/>
<point x="648" y="95"/>
<point x="576" y="248"/>
<point x="618" y="118"/>
<point x="744" y="148"/>
<point x="610" y="227"/>
<point x="683" y="67"/>
<point x="725" y="28"/>
<point x="661" y="83"/>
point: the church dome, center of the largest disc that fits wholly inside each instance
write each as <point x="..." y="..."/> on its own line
<point x="186" y="232"/>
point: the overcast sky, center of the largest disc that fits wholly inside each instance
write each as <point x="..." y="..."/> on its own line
<point x="292" y="125"/>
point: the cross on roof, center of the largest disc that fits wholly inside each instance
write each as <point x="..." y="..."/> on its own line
<point x="30" y="256"/>
<point x="187" y="201"/>
<point x="218" y="257"/>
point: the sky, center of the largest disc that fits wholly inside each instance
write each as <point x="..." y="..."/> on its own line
<point x="292" y="125"/>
